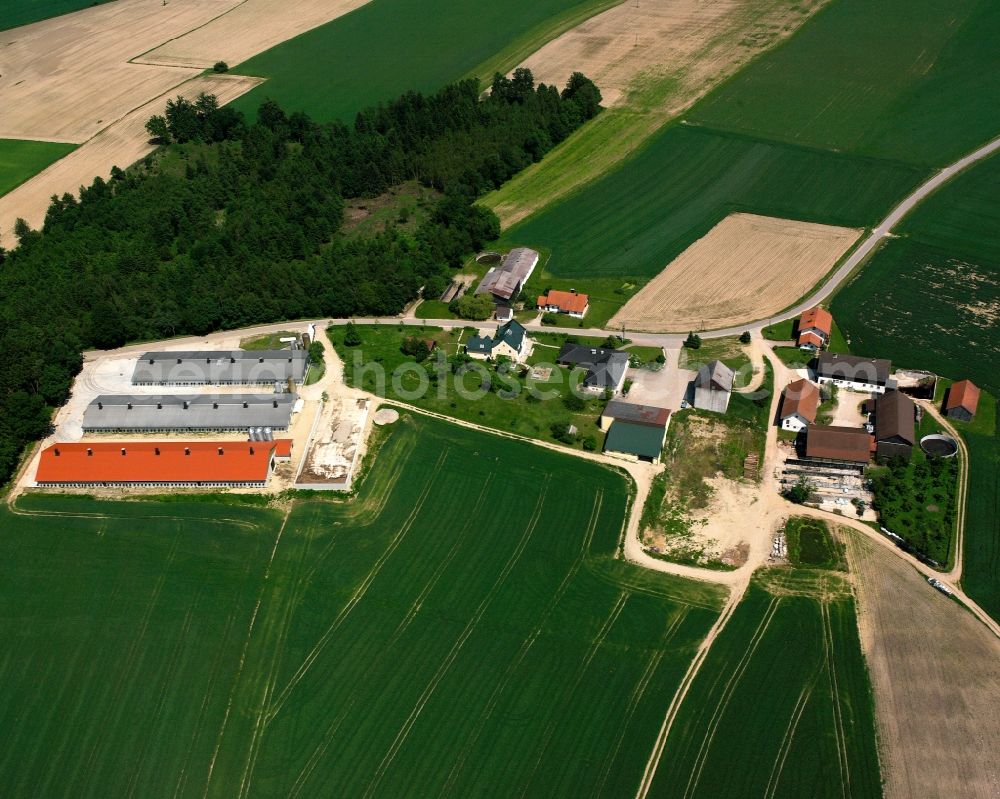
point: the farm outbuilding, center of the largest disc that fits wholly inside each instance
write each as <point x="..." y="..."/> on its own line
<point x="220" y="368"/>
<point x="637" y="442"/>
<point x="506" y="281"/>
<point x="633" y="413"/>
<point x="962" y="401"/>
<point x="193" y="464"/>
<point x="713" y="386"/>
<point x="895" y="425"/>
<point x="151" y="413"/>
<point x="853" y="373"/>
<point x="839" y="444"/>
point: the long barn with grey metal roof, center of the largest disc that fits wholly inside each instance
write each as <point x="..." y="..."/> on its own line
<point x="125" y="413"/>
<point x="220" y="368"/>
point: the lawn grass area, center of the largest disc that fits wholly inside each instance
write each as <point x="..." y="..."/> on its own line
<point x="782" y="705"/>
<point x="446" y="631"/>
<point x="930" y="298"/>
<point x="838" y="342"/>
<point x="435" y="386"/>
<point x="638" y="218"/>
<point x="729" y="350"/>
<point x="646" y="355"/>
<point x="21" y="160"/>
<point x="754" y="408"/>
<point x="267" y="341"/>
<point x="387" y="47"/>
<point x="916" y="499"/>
<point x="909" y="80"/>
<point x="794" y="357"/>
<point x="811" y="546"/>
<point x="781" y="331"/>
<point x="14" y="13"/>
<point x="434" y="309"/>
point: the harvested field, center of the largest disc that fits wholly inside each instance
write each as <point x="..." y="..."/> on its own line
<point x="634" y="44"/>
<point x="747" y="268"/>
<point x="79" y="64"/>
<point x="652" y="61"/>
<point x="245" y="30"/>
<point x="122" y="144"/>
<point x="935" y="671"/>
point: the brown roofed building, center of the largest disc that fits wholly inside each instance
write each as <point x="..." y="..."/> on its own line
<point x="798" y="405"/>
<point x="895" y="425"/>
<point x="962" y="401"/>
<point x="637" y="414"/>
<point x="830" y="443"/>
<point x="814" y="328"/>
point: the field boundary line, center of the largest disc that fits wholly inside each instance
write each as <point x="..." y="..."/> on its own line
<point x="526" y="645"/>
<point x="359" y="593"/>
<point x="636" y="698"/>
<point x="452" y="655"/>
<point x="554" y="720"/>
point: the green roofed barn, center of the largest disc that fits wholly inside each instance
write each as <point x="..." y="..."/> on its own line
<point x="641" y="442"/>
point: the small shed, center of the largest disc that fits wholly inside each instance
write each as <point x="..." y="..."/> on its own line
<point x="712" y="387"/>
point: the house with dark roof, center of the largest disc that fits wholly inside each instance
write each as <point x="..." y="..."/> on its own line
<point x="814" y="329"/>
<point x="839" y="444"/>
<point x="895" y="425"/>
<point x="605" y="368"/>
<point x="854" y="373"/>
<point x="798" y="405"/>
<point x="712" y="387"/>
<point x="511" y="340"/>
<point x="962" y="401"/>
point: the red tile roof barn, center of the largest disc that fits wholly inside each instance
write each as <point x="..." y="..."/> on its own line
<point x="818" y="318"/>
<point x="963" y="394"/>
<point x="159" y="461"/>
<point x="566" y="301"/>
<point x="801" y="397"/>
<point x="839" y="443"/>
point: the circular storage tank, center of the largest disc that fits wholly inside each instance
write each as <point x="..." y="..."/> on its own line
<point x="939" y="446"/>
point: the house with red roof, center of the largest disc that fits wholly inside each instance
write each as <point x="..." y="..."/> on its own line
<point x="799" y="405"/>
<point x="129" y="464"/>
<point x="815" y="326"/>
<point x="962" y="401"/>
<point x="567" y="302"/>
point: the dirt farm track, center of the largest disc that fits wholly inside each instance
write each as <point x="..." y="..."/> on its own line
<point x="108" y="68"/>
<point x="747" y="268"/>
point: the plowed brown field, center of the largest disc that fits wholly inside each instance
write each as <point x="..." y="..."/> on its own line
<point x="746" y="268"/>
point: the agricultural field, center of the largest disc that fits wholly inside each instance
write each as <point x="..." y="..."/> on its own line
<point x="345" y="646"/>
<point x="638" y="218"/>
<point x="981" y="568"/>
<point x="388" y="47"/>
<point x="652" y="62"/>
<point x="746" y="268"/>
<point x="782" y="705"/>
<point x="14" y="13"/>
<point x="909" y="80"/>
<point x="476" y="392"/>
<point x="935" y="671"/>
<point x="21" y="159"/>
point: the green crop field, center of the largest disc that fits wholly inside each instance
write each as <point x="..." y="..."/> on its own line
<point x="981" y="568"/>
<point x="21" y="159"/>
<point x="635" y="220"/>
<point x="14" y="13"/>
<point x="909" y="80"/>
<point x="388" y="47"/>
<point x="782" y="705"/>
<point x="461" y="628"/>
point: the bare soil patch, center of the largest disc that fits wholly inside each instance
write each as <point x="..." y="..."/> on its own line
<point x="121" y="144"/>
<point x="245" y="30"/>
<point x="745" y="269"/>
<point x="935" y="672"/>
